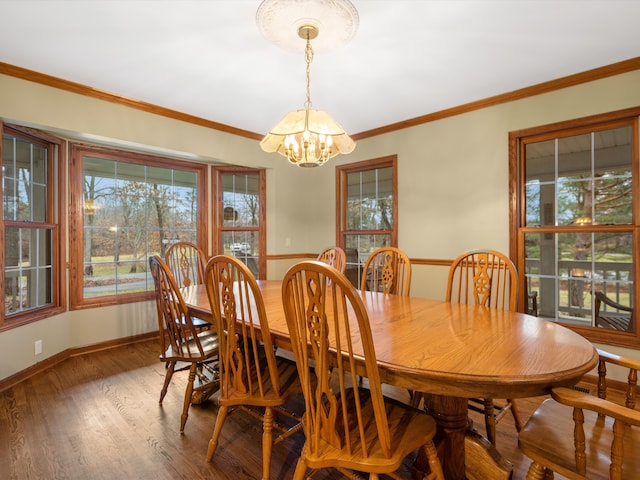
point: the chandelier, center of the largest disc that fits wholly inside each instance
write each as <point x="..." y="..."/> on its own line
<point x="308" y="137"/>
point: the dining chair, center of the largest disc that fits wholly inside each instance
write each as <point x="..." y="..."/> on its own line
<point x="346" y="427"/>
<point x="387" y="270"/>
<point x="579" y="435"/>
<point x="335" y="257"/>
<point x="252" y="378"/>
<point x="187" y="261"/>
<point x="488" y="278"/>
<point x="181" y="341"/>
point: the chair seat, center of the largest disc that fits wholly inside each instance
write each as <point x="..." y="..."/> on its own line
<point x="209" y="341"/>
<point x="409" y="428"/>
<point x="541" y="439"/>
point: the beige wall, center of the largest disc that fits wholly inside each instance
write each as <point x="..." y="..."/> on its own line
<point x="452" y="179"/>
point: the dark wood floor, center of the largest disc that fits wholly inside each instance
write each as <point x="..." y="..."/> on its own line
<point x="97" y="416"/>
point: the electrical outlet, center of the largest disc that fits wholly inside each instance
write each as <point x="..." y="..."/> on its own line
<point x="38" y="347"/>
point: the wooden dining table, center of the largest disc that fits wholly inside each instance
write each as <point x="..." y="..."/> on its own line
<point x="451" y="352"/>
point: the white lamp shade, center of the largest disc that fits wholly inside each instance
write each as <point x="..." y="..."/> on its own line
<point x="318" y="122"/>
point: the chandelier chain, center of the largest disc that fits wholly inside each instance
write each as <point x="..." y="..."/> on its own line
<point x="308" y="56"/>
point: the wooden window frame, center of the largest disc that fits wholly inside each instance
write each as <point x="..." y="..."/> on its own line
<point x="261" y="229"/>
<point x="341" y="197"/>
<point x="518" y="228"/>
<point x="56" y="222"/>
<point x="76" y="216"/>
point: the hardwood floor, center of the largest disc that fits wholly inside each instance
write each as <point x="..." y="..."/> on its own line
<point x="97" y="416"/>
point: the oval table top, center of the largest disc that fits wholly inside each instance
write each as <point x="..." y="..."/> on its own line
<point x="451" y="349"/>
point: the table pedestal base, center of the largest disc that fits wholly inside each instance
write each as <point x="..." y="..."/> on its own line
<point x="464" y="453"/>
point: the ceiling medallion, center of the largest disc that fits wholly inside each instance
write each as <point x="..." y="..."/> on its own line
<point x="280" y="20"/>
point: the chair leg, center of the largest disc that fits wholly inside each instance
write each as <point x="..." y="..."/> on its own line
<point x="215" y="436"/>
<point x="267" y="442"/>
<point x="539" y="472"/>
<point x="301" y="470"/>
<point x="187" y="396"/>
<point x="434" y="463"/>
<point x="516" y="414"/>
<point x="490" y="420"/>
<point x="170" y="367"/>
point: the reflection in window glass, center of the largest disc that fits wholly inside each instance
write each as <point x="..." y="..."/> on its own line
<point x="581" y="182"/>
<point x="132" y="211"/>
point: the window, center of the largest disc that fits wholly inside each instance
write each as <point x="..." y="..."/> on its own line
<point x="126" y="207"/>
<point x="578" y="224"/>
<point x="32" y="273"/>
<point x="367" y="212"/>
<point x="241" y="216"/>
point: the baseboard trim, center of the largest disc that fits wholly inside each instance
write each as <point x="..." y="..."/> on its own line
<point x="40" y="367"/>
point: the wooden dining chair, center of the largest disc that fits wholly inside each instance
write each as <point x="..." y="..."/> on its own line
<point x="181" y="341"/>
<point x="187" y="261"/>
<point x="350" y="429"/>
<point x="335" y="257"/>
<point x="488" y="278"/>
<point x="582" y="436"/>
<point x="252" y="378"/>
<point x="387" y="270"/>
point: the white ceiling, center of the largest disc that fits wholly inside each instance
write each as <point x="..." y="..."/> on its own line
<point x="408" y="58"/>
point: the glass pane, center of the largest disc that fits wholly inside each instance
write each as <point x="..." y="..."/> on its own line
<point x="612" y="183"/>
<point x="369" y="204"/>
<point x="39" y="203"/>
<point x="357" y="250"/>
<point x="24" y="178"/>
<point x="574" y="201"/>
<point x="240" y="200"/>
<point x="574" y="156"/>
<point x="243" y="245"/>
<point x="540" y="160"/>
<point x="10" y="204"/>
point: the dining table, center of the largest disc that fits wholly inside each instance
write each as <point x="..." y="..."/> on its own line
<point x="451" y="352"/>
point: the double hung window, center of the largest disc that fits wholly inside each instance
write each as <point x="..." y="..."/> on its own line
<point x="368" y="210"/>
<point x="241" y="216"/>
<point x="30" y="229"/>
<point x="578" y="224"/>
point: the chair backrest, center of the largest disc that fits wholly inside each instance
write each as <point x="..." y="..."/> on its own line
<point x="325" y="314"/>
<point x="335" y="257"/>
<point x="174" y="321"/>
<point x="387" y="270"/>
<point x="248" y="369"/>
<point x="483" y="277"/>
<point x="186" y="261"/>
